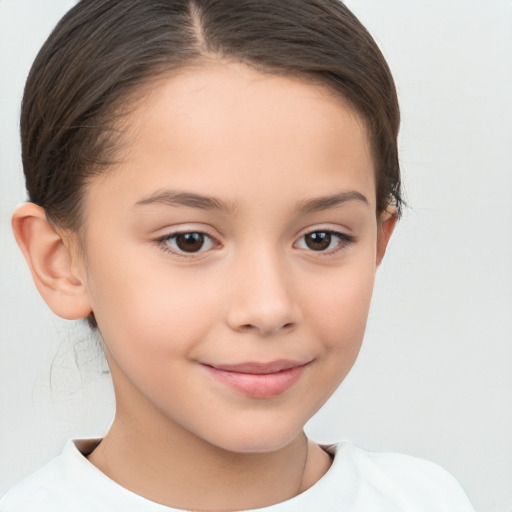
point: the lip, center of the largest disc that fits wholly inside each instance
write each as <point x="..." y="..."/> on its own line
<point x="258" y="380"/>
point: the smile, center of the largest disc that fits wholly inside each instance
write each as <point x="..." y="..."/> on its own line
<point x="258" y="380"/>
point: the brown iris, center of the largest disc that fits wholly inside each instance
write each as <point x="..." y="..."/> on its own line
<point x="190" y="242"/>
<point x="318" y="240"/>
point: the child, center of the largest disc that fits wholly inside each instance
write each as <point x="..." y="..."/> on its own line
<point x="213" y="185"/>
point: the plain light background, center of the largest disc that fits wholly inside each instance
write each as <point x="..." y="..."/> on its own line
<point x="434" y="376"/>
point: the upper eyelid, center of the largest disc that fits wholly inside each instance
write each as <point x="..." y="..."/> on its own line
<point x="334" y="232"/>
<point x="170" y="231"/>
<point x="337" y="231"/>
<point x="171" y="234"/>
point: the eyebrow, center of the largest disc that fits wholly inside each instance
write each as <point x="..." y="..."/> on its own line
<point x="192" y="200"/>
<point x="189" y="199"/>
<point x="325" y="202"/>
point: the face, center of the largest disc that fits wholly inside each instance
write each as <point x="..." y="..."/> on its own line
<point x="230" y="257"/>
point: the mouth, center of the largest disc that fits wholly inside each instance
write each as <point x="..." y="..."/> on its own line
<point x="258" y="380"/>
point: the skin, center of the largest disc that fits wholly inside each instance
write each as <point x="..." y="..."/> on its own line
<point x="263" y="146"/>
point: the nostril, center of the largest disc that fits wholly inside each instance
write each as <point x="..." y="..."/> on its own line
<point x="251" y="327"/>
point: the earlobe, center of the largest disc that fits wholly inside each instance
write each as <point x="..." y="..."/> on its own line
<point x="385" y="227"/>
<point x="50" y="262"/>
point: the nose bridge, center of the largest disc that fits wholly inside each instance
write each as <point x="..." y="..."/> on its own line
<point x="262" y="298"/>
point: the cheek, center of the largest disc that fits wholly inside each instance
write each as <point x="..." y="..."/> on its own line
<point x="336" y="320"/>
<point x="154" y="311"/>
<point x="341" y="308"/>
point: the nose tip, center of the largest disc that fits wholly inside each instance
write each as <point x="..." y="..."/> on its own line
<point x="263" y="301"/>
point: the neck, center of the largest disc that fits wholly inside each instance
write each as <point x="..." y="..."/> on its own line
<point x="191" y="474"/>
<point x="158" y="459"/>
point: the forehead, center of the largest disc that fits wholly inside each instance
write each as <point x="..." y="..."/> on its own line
<point x="215" y="127"/>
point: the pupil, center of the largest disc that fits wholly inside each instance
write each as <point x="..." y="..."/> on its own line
<point x="318" y="241"/>
<point x="190" y="242"/>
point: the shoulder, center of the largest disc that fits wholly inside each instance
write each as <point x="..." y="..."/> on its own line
<point x="397" y="481"/>
<point x="71" y="482"/>
<point x="57" y="485"/>
<point x="32" y="492"/>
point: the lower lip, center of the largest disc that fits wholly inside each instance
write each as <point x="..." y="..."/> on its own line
<point x="258" y="385"/>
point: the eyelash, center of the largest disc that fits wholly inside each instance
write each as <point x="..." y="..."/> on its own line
<point x="344" y="241"/>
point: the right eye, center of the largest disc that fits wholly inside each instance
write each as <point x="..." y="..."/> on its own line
<point x="189" y="242"/>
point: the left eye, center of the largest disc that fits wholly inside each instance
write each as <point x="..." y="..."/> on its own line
<point x="321" y="241"/>
<point x="190" y="242"/>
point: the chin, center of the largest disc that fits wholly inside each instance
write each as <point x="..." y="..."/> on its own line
<point x="254" y="438"/>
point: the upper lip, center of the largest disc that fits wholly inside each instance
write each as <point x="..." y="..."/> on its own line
<point x="259" y="368"/>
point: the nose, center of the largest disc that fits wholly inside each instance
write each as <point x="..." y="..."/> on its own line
<point x="262" y="298"/>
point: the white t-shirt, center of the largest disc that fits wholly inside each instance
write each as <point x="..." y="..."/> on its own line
<point x="358" y="481"/>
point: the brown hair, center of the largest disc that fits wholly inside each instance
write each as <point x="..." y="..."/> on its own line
<point x="103" y="52"/>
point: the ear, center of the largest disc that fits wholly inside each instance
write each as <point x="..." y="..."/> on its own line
<point x="50" y="262"/>
<point x="385" y="227"/>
